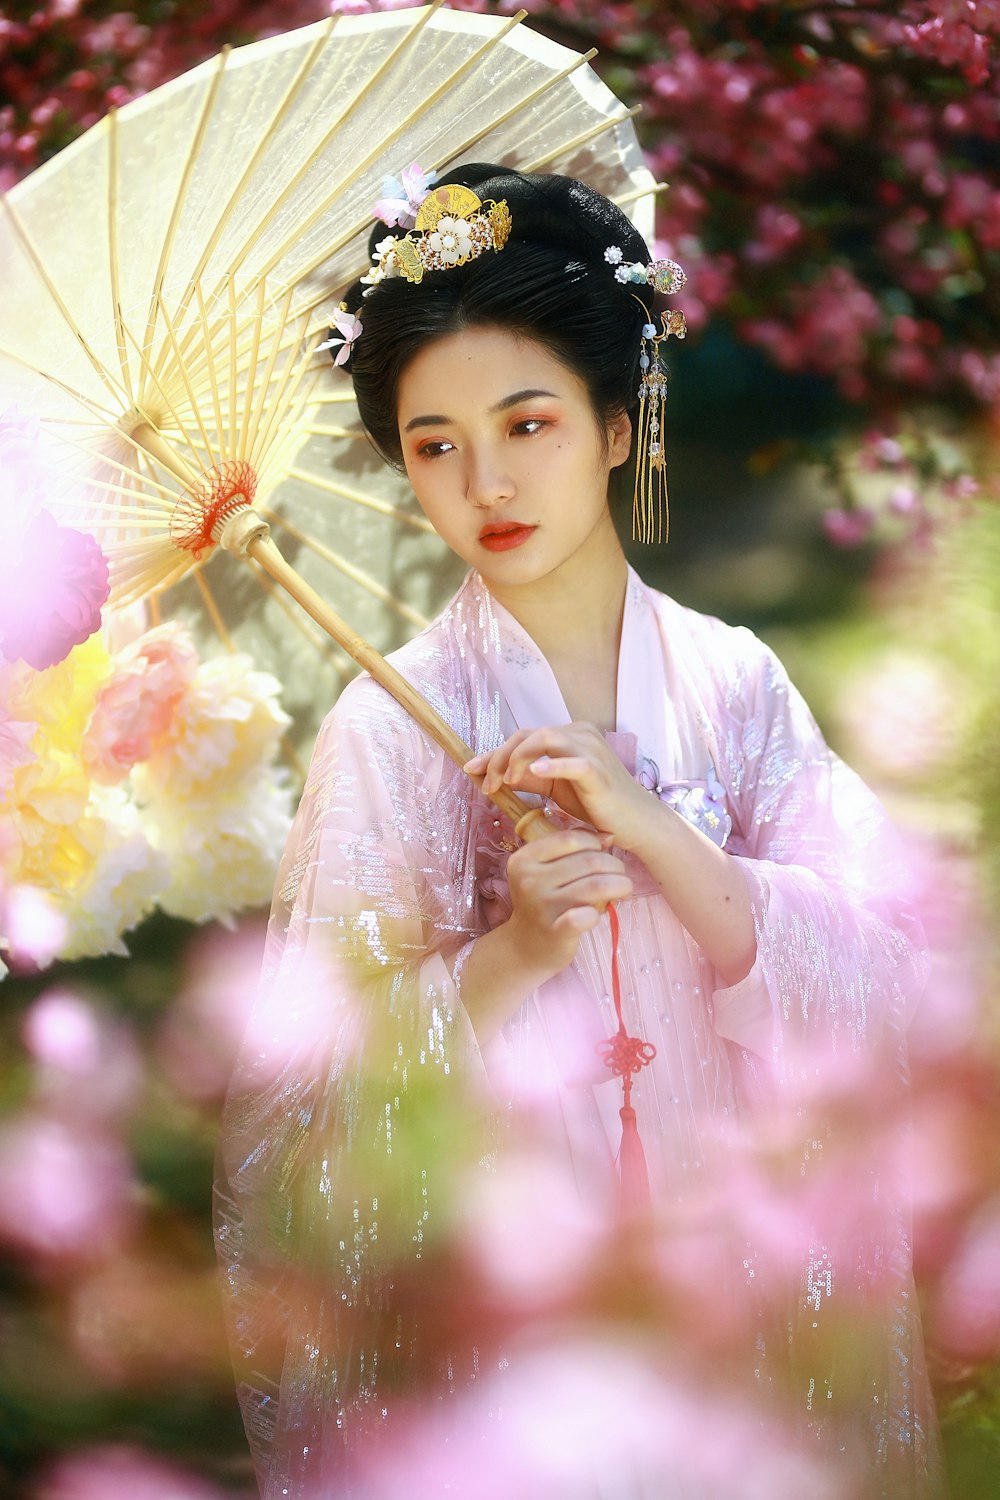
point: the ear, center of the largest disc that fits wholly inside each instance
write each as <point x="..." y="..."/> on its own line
<point x="619" y="440"/>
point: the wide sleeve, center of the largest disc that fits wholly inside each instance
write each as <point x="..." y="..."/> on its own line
<point x="353" y="1093"/>
<point x="840" y="955"/>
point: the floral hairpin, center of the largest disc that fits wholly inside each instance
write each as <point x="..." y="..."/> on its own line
<point x="349" y="328"/>
<point x="451" y="227"/>
<point x="664" y="276"/>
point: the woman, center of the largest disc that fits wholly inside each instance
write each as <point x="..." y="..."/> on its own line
<point x="427" y="978"/>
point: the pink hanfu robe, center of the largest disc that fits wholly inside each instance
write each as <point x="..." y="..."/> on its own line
<point x="361" y="1062"/>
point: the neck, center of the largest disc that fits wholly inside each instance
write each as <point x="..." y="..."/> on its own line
<point x="575" y="618"/>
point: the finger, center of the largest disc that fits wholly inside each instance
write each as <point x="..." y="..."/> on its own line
<point x="559" y="844"/>
<point x="574" y="768"/>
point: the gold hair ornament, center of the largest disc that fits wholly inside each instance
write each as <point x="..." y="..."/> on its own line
<point x="650" y="508"/>
<point x="453" y="226"/>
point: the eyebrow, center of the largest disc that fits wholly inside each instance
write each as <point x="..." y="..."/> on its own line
<point x="514" y="399"/>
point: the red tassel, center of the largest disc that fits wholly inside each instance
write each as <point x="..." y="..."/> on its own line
<point x="633" y="1174"/>
<point x="626" y="1055"/>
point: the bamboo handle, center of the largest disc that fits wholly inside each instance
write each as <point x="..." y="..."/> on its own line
<point x="255" y="541"/>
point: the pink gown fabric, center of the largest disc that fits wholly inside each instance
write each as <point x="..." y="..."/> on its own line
<point x="396" y="857"/>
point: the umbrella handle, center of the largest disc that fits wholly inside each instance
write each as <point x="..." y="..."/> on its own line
<point x="247" y="534"/>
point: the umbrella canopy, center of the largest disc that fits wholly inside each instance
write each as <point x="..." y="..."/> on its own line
<point x="168" y="276"/>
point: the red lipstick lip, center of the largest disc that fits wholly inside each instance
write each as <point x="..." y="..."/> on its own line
<point x="500" y="536"/>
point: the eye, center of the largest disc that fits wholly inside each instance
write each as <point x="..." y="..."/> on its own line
<point x="435" y="448"/>
<point x="528" y="426"/>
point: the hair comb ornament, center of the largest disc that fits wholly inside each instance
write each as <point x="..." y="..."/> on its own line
<point x="452" y="226"/>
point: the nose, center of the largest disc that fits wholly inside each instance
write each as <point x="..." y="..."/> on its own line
<point x="488" y="480"/>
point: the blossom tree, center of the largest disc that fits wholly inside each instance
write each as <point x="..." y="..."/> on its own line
<point x="834" y="193"/>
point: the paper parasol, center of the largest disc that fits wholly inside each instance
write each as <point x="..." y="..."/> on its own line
<point x="168" y="276"/>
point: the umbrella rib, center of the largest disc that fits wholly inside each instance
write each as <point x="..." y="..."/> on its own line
<point x="634" y="194"/>
<point x="210" y="366"/>
<point x="212" y="609"/>
<point x="174" y="414"/>
<point x="106" y="415"/>
<point x="180" y="197"/>
<point x="106" y="458"/>
<point x="30" y="250"/>
<point x="232" y="367"/>
<point x="319" y="429"/>
<point x="184" y="373"/>
<point x="113" y="256"/>
<point x="386" y="65"/>
<point x="262" y="443"/>
<point x="317" y="638"/>
<point x="580" y="140"/>
<point x="357" y="575"/>
<point x="265" y="384"/>
<point x="371" y="502"/>
<point x="294" y="88"/>
<point x="426" y="104"/>
<point x="459" y="152"/>
<point x="297" y="366"/>
<point x="251" y="370"/>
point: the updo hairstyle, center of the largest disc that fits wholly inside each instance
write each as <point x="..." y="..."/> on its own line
<point x="550" y="283"/>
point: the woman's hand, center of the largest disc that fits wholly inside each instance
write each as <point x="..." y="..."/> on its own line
<point x="573" y="765"/>
<point x="559" y="886"/>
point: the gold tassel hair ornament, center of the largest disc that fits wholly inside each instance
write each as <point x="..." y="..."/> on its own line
<point x="650" y="508"/>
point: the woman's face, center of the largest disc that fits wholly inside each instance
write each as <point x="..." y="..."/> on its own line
<point x="506" y="456"/>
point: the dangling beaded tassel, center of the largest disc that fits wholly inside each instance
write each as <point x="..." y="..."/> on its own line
<point x="650" y="508"/>
<point x="626" y="1055"/>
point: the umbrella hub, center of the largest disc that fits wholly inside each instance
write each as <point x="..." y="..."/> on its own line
<point x="201" y="513"/>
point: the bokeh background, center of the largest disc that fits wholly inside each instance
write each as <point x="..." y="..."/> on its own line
<point x="834" y="195"/>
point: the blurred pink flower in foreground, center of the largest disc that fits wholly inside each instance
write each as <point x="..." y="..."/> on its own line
<point x="198" y="1041"/>
<point x="30" y="925"/>
<point x="54" y="582"/>
<point x="65" y="1193"/>
<point x="585" y="1413"/>
<point x="87" y="1063"/>
<point x="53" y="579"/>
<point x="122" y="1473"/>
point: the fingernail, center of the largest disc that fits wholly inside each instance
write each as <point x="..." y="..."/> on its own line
<point x="541" y="765"/>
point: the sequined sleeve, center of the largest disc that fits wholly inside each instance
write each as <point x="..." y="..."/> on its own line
<point x="357" y="1035"/>
<point x="840" y="952"/>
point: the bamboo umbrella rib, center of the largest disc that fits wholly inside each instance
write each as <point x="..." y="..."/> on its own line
<point x="303" y="227"/>
<point x="195" y="362"/>
<point x="184" y="373"/>
<point x="634" y="194"/>
<point x="357" y="575"/>
<point x="295" y="370"/>
<point x="316" y="638"/>
<point x="581" y="140"/>
<point x="319" y="429"/>
<point x="213" y="381"/>
<point x="133" y="577"/>
<point x="180" y="198"/>
<point x="265" y="383"/>
<point x="371" y="502"/>
<point x="334" y="397"/>
<point x="232" y="367"/>
<point x="171" y="409"/>
<point x="107" y="459"/>
<point x="252" y="366"/>
<point x="35" y="259"/>
<point x="103" y="413"/>
<point x="212" y="610"/>
<point x="270" y="130"/>
<point x="113" y="260"/>
<point x="385" y="66"/>
<point x="459" y="153"/>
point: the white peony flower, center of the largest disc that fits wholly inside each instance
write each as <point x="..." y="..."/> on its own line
<point x="452" y="239"/>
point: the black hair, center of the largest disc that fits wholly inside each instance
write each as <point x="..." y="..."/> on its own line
<point x="550" y="283"/>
